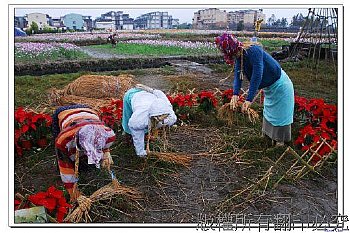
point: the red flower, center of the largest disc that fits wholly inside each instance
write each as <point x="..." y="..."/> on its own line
<point x="207" y="95"/>
<point x="111" y="114"/>
<point x="301" y="102"/>
<point x="171" y="100"/>
<point x="36" y="198"/>
<point x="227" y="95"/>
<point x="53" y="192"/>
<point x="17" y="203"/>
<point x="20" y="115"/>
<point x="61" y="212"/>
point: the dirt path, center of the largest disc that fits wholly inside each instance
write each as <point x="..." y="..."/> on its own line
<point x="96" y="53"/>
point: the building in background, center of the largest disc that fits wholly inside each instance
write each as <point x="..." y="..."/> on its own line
<point x="174" y="23"/>
<point x="42" y="20"/>
<point x="244" y="19"/>
<point x="155" y="20"/>
<point x="20" y="22"/>
<point x="88" y="25"/>
<point x="57" y="23"/>
<point x="211" y="18"/>
<point x="126" y="23"/>
<point x="73" y="21"/>
<point x="114" y="20"/>
<point x="214" y="18"/>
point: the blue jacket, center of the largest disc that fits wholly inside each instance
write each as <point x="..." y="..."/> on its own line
<point x="259" y="67"/>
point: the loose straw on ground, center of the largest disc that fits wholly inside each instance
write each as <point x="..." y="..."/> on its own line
<point x="81" y="212"/>
<point x="171" y="157"/>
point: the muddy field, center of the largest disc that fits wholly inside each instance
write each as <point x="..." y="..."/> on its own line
<point x="225" y="160"/>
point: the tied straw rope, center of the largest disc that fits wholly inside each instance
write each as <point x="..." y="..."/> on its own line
<point x="81" y="212"/>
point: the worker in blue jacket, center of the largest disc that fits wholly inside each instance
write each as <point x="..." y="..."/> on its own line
<point x="263" y="72"/>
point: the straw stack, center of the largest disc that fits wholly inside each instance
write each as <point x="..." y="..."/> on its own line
<point x="93" y="90"/>
<point x="100" y="86"/>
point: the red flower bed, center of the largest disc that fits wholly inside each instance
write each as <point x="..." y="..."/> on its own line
<point x="53" y="200"/>
<point x="30" y="125"/>
<point x="111" y="114"/>
<point x="182" y="104"/>
<point x="320" y="123"/>
<point x="207" y="101"/>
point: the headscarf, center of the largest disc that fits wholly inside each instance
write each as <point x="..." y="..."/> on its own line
<point x="92" y="139"/>
<point x="230" y="46"/>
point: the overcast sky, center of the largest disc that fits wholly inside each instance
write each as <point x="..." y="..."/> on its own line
<point x="184" y="15"/>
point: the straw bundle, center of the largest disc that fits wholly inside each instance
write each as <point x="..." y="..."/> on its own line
<point x="104" y="193"/>
<point x="228" y="115"/>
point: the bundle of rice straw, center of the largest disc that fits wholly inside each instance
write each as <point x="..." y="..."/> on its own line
<point x="104" y="193"/>
<point x="93" y="90"/>
<point x="81" y="212"/>
<point x="226" y="114"/>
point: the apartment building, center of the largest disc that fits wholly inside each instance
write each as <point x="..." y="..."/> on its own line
<point x="73" y="21"/>
<point x="42" y="20"/>
<point x="155" y="20"/>
<point x="115" y="20"/>
<point x="209" y="19"/>
<point x="247" y="17"/>
<point x="88" y="24"/>
<point x="57" y="22"/>
<point x="214" y="18"/>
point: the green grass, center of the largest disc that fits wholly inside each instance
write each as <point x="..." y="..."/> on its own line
<point x="33" y="90"/>
<point x="150" y="50"/>
<point x="60" y="55"/>
<point x="312" y="82"/>
<point x="273" y="45"/>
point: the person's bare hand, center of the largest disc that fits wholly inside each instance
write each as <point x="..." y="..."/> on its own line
<point x="107" y="160"/>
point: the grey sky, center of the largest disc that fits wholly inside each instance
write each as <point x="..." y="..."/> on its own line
<point x="183" y="14"/>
